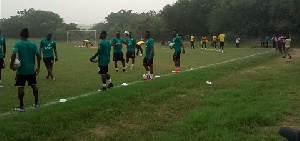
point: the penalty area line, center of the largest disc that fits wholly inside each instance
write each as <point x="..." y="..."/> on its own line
<point x="131" y="83"/>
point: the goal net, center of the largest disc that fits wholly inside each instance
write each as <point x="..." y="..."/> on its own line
<point x="76" y="37"/>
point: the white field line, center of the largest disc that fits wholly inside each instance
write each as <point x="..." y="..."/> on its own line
<point x="95" y="92"/>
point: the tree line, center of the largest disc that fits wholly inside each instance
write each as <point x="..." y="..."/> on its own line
<point x="244" y="18"/>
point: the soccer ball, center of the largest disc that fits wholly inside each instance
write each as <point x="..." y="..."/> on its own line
<point x="96" y="59"/>
<point x="171" y="45"/>
<point x="126" y="33"/>
<point x="17" y="63"/>
<point x="145" y="76"/>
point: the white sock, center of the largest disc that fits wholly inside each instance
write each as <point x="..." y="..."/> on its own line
<point x="132" y="65"/>
<point x="104" y="85"/>
<point x="149" y="72"/>
<point x="124" y="68"/>
<point x="151" y="76"/>
<point x="116" y="69"/>
<point x="109" y="81"/>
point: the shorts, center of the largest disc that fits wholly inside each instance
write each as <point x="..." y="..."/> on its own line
<point x="48" y="61"/>
<point x="138" y="46"/>
<point x="176" y="56"/>
<point x="102" y="70"/>
<point x="148" y="62"/>
<point x="2" y="66"/>
<point x="22" y="78"/>
<point x="222" y="44"/>
<point x="118" y="57"/>
<point x="130" y="55"/>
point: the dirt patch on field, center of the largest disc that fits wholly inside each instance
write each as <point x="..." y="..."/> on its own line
<point x="256" y="69"/>
<point x="100" y="131"/>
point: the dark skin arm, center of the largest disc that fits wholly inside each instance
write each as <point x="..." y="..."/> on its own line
<point x="94" y="56"/>
<point x="38" y="58"/>
<point x="183" y="50"/>
<point x="4" y="49"/>
<point x="152" y="50"/>
<point x="56" y="57"/>
<point x="13" y="58"/>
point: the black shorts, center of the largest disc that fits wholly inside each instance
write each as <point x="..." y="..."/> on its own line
<point x="22" y="78"/>
<point x="118" y="57"/>
<point x="2" y="63"/>
<point x="148" y="62"/>
<point x="48" y="61"/>
<point x="102" y="70"/>
<point x="138" y="47"/>
<point x="130" y="55"/>
<point x="176" y="56"/>
<point x="221" y="44"/>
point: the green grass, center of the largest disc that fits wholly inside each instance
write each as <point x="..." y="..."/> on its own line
<point x="248" y="100"/>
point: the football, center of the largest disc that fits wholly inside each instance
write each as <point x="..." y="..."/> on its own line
<point x="17" y="63"/>
<point x="126" y="33"/>
<point x="171" y="45"/>
<point x="145" y="76"/>
<point x="95" y="60"/>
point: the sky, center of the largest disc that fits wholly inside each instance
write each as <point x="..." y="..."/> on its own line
<point x="81" y="11"/>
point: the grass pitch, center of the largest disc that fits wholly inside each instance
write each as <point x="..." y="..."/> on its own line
<point x="248" y="99"/>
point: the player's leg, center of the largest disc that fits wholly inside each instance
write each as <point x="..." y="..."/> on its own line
<point x="102" y="72"/>
<point x="20" y="81"/>
<point x="127" y="58"/>
<point x="32" y="82"/>
<point x="141" y="50"/>
<point x="51" y="68"/>
<point x="138" y="49"/>
<point x="123" y="61"/>
<point x="115" y="59"/>
<point x="1" y="67"/>
<point x="205" y="45"/>
<point x="110" y="84"/>
<point x="133" y="59"/>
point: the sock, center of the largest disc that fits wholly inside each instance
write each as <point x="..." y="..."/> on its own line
<point x="149" y="72"/>
<point x="151" y="76"/>
<point x="117" y="69"/>
<point x="132" y="65"/>
<point x="124" y="68"/>
<point x="104" y="85"/>
<point x="109" y="81"/>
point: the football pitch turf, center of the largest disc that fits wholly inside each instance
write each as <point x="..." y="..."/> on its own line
<point x="246" y="100"/>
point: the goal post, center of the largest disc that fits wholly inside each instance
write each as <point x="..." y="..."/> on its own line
<point x="82" y="36"/>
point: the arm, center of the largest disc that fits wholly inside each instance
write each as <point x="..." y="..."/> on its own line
<point x="13" y="58"/>
<point x="183" y="50"/>
<point x="55" y="51"/>
<point x="4" y="49"/>
<point x="38" y="58"/>
<point x="94" y="56"/>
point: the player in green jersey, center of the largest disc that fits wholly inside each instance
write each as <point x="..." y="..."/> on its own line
<point x="131" y="42"/>
<point x="2" y="54"/>
<point x="26" y="51"/>
<point x="103" y="54"/>
<point x="47" y="46"/>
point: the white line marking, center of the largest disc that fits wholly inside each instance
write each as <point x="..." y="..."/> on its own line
<point x="131" y="83"/>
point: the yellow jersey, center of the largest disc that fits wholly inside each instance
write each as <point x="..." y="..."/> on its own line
<point x="192" y="38"/>
<point x="140" y="43"/>
<point x="222" y="37"/>
<point x="86" y="41"/>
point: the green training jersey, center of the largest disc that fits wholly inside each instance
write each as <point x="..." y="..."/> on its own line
<point x="118" y="48"/>
<point x="177" y="44"/>
<point x="104" y="48"/>
<point x="131" y="44"/>
<point x="149" y="46"/>
<point x="47" y="47"/>
<point x="2" y="43"/>
<point x="27" y="51"/>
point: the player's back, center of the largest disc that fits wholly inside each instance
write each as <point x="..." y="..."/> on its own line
<point x="222" y="37"/>
<point x="26" y="51"/>
<point x="104" y="49"/>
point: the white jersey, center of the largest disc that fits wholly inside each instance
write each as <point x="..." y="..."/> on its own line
<point x="237" y="40"/>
